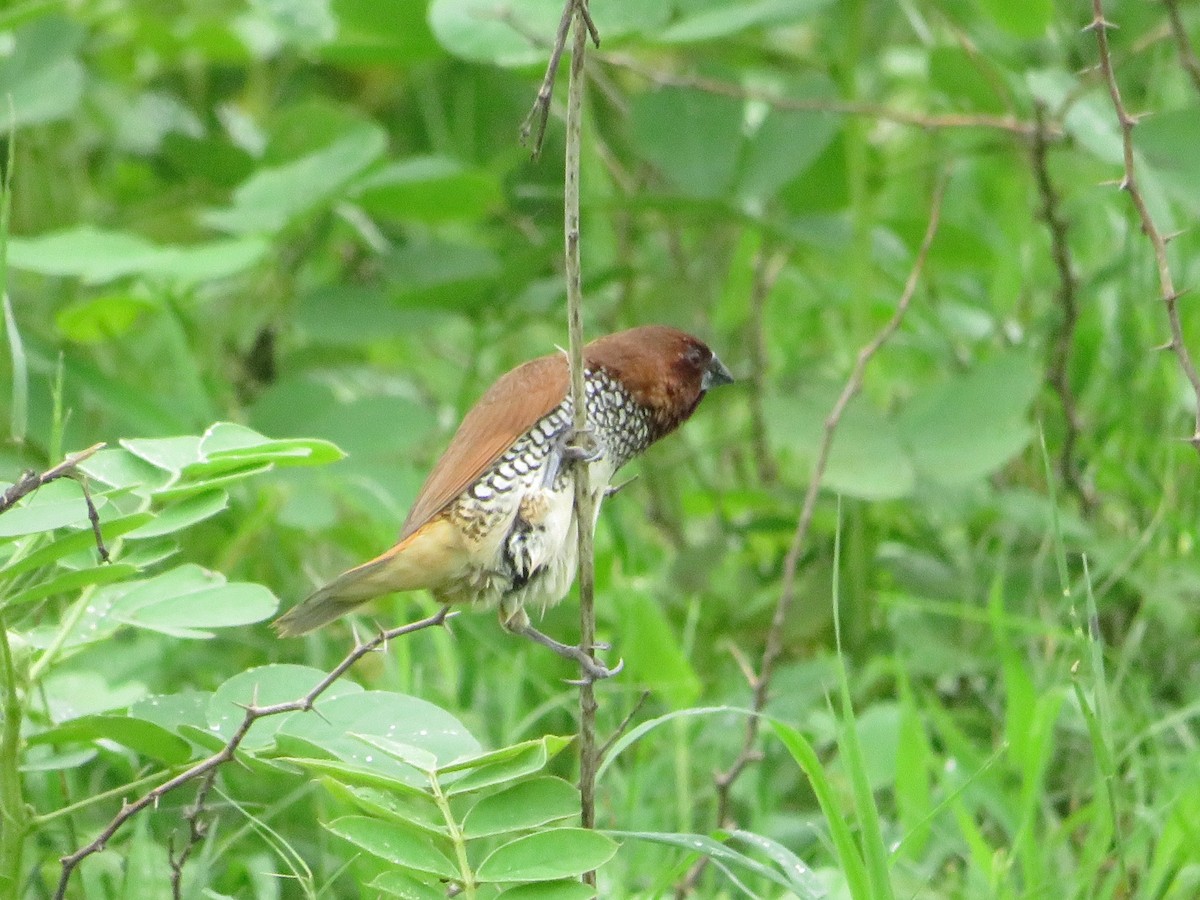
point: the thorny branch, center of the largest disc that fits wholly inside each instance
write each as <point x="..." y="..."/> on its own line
<point x="867" y="110"/>
<point x="767" y="267"/>
<point x="761" y="683"/>
<point x="30" y="481"/>
<point x="1187" y="53"/>
<point x="203" y="768"/>
<point x="197" y="830"/>
<point x="1129" y="183"/>
<point x="1067" y="295"/>
<point x="584" y="502"/>
<point x="534" y="125"/>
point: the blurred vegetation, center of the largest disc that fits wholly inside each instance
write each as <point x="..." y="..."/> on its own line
<point x="312" y="221"/>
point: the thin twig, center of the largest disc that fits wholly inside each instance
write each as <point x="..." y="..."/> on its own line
<point x="1129" y="183"/>
<point x="767" y="267"/>
<point x="197" y="830"/>
<point x="661" y="78"/>
<point x="622" y="728"/>
<point x="534" y="125"/>
<point x="1187" y="53"/>
<point x="724" y="781"/>
<point x="1051" y="215"/>
<point x="209" y="764"/>
<point x="584" y="502"/>
<point x="30" y="481"/>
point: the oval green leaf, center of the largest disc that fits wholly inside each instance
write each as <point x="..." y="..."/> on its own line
<point x="548" y="855"/>
<point x="400" y="845"/>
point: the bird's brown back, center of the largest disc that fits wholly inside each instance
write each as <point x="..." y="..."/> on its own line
<point x="510" y="408"/>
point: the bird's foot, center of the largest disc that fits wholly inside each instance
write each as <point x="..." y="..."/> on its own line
<point x="582" y="444"/>
<point x="571" y="446"/>
<point x="593" y="670"/>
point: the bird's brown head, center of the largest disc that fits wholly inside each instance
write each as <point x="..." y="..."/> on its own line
<point x="665" y="370"/>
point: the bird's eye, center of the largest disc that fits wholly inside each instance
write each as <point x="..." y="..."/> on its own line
<point x="694" y="356"/>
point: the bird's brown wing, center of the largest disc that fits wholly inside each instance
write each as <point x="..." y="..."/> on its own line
<point x="510" y="407"/>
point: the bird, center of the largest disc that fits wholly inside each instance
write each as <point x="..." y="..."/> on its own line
<point x="494" y="523"/>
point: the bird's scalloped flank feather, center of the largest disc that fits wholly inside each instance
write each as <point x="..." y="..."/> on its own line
<point x="510" y="408"/>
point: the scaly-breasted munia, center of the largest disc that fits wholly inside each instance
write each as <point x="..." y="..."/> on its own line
<point x="494" y="522"/>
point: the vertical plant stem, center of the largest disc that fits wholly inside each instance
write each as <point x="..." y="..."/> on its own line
<point x="456" y="837"/>
<point x="584" y="502"/>
<point x="14" y="816"/>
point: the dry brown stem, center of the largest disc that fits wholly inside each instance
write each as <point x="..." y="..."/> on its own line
<point x="1067" y="295"/>
<point x="761" y="682"/>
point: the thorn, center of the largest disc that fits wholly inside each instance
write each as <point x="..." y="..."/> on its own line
<point x="613" y="489"/>
<point x="1111" y="182"/>
<point x="1168" y="345"/>
<point x="1100" y="22"/>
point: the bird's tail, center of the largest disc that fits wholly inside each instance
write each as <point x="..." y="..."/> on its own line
<point x="325" y="604"/>
<point x="392" y="571"/>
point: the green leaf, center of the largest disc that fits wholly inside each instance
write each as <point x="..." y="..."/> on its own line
<point x="147" y="738"/>
<point x="472" y="29"/>
<point x="787" y="142"/>
<point x="867" y="459"/>
<point x="172" y="711"/>
<point x="183" y="514"/>
<point x="522" y="806"/>
<point x="121" y="468"/>
<point x="428" y="189"/>
<point x="397" y="844"/>
<point x="421" y="760"/>
<point x="39" y="74"/>
<point x="1027" y="19"/>
<point x="98" y="257"/>
<point x="853" y="866"/>
<point x="92" y="320"/>
<point x="404" y="720"/>
<point x="550" y="890"/>
<point x="802" y="880"/>
<point x="968" y="426"/>
<point x="75" y="542"/>
<point x="274" y="197"/>
<point x="693" y="137"/>
<point x="380" y="32"/>
<point x="354" y="774"/>
<point x="188" y="599"/>
<point x="504" y="765"/>
<point x="69" y="582"/>
<point x="704" y="21"/>
<point x="55" y="505"/>
<point x="405" y="886"/>
<point x="263" y="686"/>
<point x="171" y="454"/>
<point x="548" y="855"/>
<point x="443" y="274"/>
<point x="718" y="852"/>
<point x="415" y="807"/>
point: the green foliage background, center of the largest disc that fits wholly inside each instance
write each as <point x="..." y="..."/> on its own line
<point x="312" y="221"/>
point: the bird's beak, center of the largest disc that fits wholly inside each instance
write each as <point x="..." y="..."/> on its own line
<point x="715" y="375"/>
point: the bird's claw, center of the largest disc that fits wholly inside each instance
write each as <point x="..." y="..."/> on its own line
<point x="582" y="445"/>
<point x="594" y="671"/>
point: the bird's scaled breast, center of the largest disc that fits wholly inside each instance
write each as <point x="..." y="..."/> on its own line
<point x="517" y="519"/>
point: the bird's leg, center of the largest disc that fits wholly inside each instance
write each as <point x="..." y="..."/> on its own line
<point x="517" y="621"/>
<point x="568" y="448"/>
<point x="592" y="670"/>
